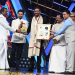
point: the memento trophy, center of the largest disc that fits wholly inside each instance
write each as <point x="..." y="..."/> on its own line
<point x="24" y="28"/>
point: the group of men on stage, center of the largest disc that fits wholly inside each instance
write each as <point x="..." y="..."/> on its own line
<point x="62" y="55"/>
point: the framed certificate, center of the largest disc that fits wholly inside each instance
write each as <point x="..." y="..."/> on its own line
<point x="43" y="31"/>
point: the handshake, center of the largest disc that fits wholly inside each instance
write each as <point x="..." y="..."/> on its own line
<point x="19" y="29"/>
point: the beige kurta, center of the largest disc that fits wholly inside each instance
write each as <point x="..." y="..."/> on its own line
<point x="34" y="45"/>
<point x="57" y="60"/>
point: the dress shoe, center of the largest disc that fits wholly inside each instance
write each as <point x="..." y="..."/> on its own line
<point x="38" y="70"/>
<point x="2" y="69"/>
<point x="51" y="72"/>
<point x="67" y="72"/>
<point x="30" y="70"/>
<point x="7" y="69"/>
<point x="17" y="69"/>
<point x="74" y="72"/>
<point x="61" y="73"/>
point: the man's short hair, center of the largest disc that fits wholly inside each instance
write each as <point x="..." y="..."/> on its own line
<point x="2" y="10"/>
<point x="61" y="15"/>
<point x="21" y="11"/>
<point x="37" y="8"/>
<point x="67" y="11"/>
<point x="72" y="14"/>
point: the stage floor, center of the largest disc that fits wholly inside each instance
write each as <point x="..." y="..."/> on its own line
<point x="24" y="71"/>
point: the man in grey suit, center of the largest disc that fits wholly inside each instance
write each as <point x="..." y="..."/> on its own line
<point x="72" y="15"/>
<point x="69" y="31"/>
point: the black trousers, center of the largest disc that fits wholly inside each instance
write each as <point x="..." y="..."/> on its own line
<point x="32" y="59"/>
<point x="16" y="47"/>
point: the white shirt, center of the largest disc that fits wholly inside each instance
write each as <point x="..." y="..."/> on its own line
<point x="4" y="27"/>
<point x="18" y="37"/>
<point x="36" y="22"/>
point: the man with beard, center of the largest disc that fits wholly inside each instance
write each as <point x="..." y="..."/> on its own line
<point x="35" y="46"/>
<point x="18" y="39"/>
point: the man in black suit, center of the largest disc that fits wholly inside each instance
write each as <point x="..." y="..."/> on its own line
<point x="36" y="19"/>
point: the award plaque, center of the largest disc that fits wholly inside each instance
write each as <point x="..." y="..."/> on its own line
<point x="24" y="28"/>
<point x="43" y="31"/>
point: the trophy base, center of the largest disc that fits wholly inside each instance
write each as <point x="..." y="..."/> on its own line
<point x="23" y="32"/>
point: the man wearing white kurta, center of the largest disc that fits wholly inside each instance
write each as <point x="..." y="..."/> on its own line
<point x="58" y="52"/>
<point x="3" y="39"/>
<point x="18" y="39"/>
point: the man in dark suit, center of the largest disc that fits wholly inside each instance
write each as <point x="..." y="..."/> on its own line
<point x="36" y="19"/>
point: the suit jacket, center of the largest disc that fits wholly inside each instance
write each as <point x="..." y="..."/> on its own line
<point x="18" y="37"/>
<point x="70" y="32"/>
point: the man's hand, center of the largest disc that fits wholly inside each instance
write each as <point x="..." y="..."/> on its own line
<point x="51" y="31"/>
<point x="51" y="37"/>
<point x="25" y="33"/>
<point x="43" y="39"/>
<point x="55" y="41"/>
<point x="20" y="25"/>
<point x="18" y="30"/>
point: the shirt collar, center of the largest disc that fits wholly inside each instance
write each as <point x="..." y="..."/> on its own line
<point x="2" y="16"/>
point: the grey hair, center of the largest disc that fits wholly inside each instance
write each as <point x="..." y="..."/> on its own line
<point x="72" y="14"/>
